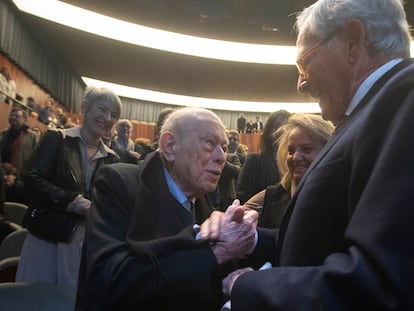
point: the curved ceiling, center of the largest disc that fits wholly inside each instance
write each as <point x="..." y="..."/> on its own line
<point x="259" y="21"/>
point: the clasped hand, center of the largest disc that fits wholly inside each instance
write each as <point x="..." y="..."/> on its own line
<point x="80" y="205"/>
<point x="234" y="232"/>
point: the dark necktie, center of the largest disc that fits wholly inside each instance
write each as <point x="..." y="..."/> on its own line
<point x="192" y="209"/>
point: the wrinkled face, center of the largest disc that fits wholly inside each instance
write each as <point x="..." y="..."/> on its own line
<point x="302" y="150"/>
<point x="124" y="130"/>
<point x="325" y="74"/>
<point x="199" y="159"/>
<point x="100" y="117"/>
<point x="16" y="119"/>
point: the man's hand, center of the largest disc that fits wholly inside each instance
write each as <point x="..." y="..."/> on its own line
<point x="80" y="205"/>
<point x="231" y="278"/>
<point x="210" y="228"/>
<point x="234" y="232"/>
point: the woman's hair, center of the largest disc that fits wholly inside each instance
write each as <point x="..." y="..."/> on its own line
<point x="94" y="94"/>
<point x="317" y="128"/>
<point x="275" y="120"/>
<point x="385" y="22"/>
<point x="9" y="169"/>
<point x="162" y="116"/>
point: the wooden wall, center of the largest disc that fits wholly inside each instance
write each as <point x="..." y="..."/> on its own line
<point x="26" y="87"/>
<point x="252" y="141"/>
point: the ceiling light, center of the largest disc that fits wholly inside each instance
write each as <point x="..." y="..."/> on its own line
<point x="116" y="29"/>
<point x="217" y="104"/>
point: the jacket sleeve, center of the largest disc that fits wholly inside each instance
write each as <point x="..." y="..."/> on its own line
<point x="245" y="181"/>
<point x="48" y="174"/>
<point x="377" y="271"/>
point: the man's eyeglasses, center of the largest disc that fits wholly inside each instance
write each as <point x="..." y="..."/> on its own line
<point x="303" y="61"/>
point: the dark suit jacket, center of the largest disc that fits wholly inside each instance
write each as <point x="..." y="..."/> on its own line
<point x="346" y="242"/>
<point x="140" y="251"/>
<point x="275" y="202"/>
<point x="258" y="126"/>
<point x="259" y="171"/>
<point x="227" y="185"/>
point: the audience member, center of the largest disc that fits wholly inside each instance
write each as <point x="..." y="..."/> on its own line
<point x="37" y="131"/>
<point x="122" y="139"/>
<point x="4" y="86"/>
<point x="34" y="115"/>
<point x="53" y="121"/>
<point x="123" y="144"/>
<point x="260" y="169"/>
<point x="142" y="145"/>
<point x="242" y="151"/>
<point x="140" y="250"/>
<point x="258" y="126"/>
<point x="225" y="192"/>
<point x="162" y="116"/>
<point x="45" y="111"/>
<point x="59" y="184"/>
<point x="61" y="118"/>
<point x="227" y="185"/>
<point x="14" y="190"/>
<point x="7" y="85"/>
<point x="345" y="240"/>
<point x="250" y="127"/>
<point x="17" y="142"/>
<point x="5" y="227"/>
<point x="299" y="141"/>
<point x="70" y="123"/>
<point x="241" y="123"/>
<point x="234" y="140"/>
<point x="31" y="105"/>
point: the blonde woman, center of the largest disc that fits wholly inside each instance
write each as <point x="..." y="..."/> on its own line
<point x="300" y="140"/>
<point x="59" y="182"/>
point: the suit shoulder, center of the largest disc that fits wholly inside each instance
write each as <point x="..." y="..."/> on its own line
<point x="122" y="168"/>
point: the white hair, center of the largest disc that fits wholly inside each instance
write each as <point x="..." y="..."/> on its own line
<point x="388" y="32"/>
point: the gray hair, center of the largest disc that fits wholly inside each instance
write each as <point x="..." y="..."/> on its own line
<point x="186" y="119"/>
<point x="93" y="94"/>
<point x="124" y="121"/>
<point x="388" y="32"/>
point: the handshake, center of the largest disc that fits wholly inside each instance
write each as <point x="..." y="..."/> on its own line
<point x="233" y="232"/>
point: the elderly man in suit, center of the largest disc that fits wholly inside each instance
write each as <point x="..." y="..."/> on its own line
<point x="345" y="242"/>
<point x="141" y="250"/>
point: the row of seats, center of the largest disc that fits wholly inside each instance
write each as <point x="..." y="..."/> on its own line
<point x="19" y="296"/>
<point x="14" y="212"/>
<point x="12" y="244"/>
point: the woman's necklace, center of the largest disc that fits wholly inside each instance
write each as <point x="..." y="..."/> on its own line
<point x="88" y="145"/>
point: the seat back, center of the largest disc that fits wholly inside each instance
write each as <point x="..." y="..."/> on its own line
<point x="8" y="269"/>
<point x="15" y="211"/>
<point x="12" y="244"/>
<point x="19" y="296"/>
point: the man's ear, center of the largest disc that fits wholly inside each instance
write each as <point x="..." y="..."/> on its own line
<point x="168" y="145"/>
<point x="355" y="35"/>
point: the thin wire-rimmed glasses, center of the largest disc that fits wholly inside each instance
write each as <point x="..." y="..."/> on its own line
<point x="303" y="61"/>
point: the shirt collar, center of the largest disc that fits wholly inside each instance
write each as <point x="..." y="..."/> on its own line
<point x="75" y="132"/>
<point x="367" y="84"/>
<point x="176" y="191"/>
